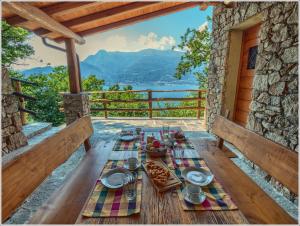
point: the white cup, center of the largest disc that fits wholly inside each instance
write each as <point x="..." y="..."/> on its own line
<point x="132" y="162"/>
<point x="193" y="191"/>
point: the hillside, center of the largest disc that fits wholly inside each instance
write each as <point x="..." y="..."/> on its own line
<point x="147" y="65"/>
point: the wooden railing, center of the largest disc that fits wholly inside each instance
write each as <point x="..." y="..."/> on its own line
<point x="200" y="98"/>
<point x="22" y="97"/>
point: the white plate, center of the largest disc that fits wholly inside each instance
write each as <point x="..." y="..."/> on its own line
<point x="127" y="138"/>
<point x="114" y="178"/>
<point x="200" y="199"/>
<point x="197" y="176"/>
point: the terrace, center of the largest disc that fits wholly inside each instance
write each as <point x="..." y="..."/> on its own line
<point x="219" y="140"/>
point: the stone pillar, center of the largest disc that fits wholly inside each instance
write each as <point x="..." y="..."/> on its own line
<point x="75" y="103"/>
<point x="12" y="135"/>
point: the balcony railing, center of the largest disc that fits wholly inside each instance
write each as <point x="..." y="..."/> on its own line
<point x="22" y="98"/>
<point x="104" y="98"/>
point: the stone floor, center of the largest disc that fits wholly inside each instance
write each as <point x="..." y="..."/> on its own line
<point x="106" y="130"/>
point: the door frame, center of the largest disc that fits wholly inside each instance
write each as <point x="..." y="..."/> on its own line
<point x="240" y="68"/>
<point x="233" y="62"/>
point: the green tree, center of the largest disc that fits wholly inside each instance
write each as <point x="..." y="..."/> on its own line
<point x="14" y="46"/>
<point x="197" y="47"/>
<point x="91" y="83"/>
<point x="49" y="100"/>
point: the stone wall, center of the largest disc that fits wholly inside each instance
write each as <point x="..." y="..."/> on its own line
<point x="74" y="104"/>
<point x="12" y="135"/>
<point x="274" y="106"/>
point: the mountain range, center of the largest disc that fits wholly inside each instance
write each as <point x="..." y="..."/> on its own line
<point x="145" y="66"/>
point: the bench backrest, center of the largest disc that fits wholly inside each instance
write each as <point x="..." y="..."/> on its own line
<point x="24" y="173"/>
<point x="275" y="159"/>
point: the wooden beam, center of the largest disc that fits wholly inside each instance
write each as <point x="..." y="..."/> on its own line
<point x="36" y="15"/>
<point x="51" y="10"/>
<point x="74" y="79"/>
<point x="136" y="19"/>
<point x="99" y="15"/>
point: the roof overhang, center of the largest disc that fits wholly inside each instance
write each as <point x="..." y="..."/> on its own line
<point x="61" y="20"/>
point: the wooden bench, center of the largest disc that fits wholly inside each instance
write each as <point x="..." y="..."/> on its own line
<point x="22" y="174"/>
<point x="276" y="160"/>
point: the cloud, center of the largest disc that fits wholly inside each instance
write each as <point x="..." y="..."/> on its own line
<point x="203" y="26"/>
<point x="112" y="42"/>
<point x="151" y="40"/>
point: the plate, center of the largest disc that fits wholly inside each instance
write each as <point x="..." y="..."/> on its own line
<point x="200" y="200"/>
<point x="126" y="166"/>
<point x="197" y="176"/>
<point x="127" y="138"/>
<point x="114" y="178"/>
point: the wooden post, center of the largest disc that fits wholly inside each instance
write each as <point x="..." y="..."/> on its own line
<point x="74" y="78"/>
<point x="86" y="143"/>
<point x="220" y="141"/>
<point x="205" y="110"/>
<point x="104" y="105"/>
<point x="199" y="105"/>
<point x="150" y="102"/>
<point x="21" y="102"/>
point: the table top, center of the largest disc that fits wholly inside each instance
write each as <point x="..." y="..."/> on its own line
<point x="165" y="208"/>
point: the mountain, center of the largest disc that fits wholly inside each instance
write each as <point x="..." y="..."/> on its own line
<point x="147" y="65"/>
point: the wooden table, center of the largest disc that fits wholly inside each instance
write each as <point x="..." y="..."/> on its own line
<point x="165" y="208"/>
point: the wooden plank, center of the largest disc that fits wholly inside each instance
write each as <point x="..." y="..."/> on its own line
<point x="23" y="173"/>
<point x="52" y="10"/>
<point x="243" y="105"/>
<point x="183" y="99"/>
<point x="74" y="73"/>
<point x="253" y="31"/>
<point x="246" y="82"/>
<point x="7" y="13"/>
<point x="150" y="103"/>
<point x="99" y="15"/>
<point x="248" y="45"/>
<point x="65" y="204"/>
<point x="254" y="203"/>
<point x="245" y="94"/>
<point x="247" y="72"/>
<point x="146" y="90"/>
<point x="34" y="14"/>
<point x="146" y="109"/>
<point x="241" y="116"/>
<point x="163" y="10"/>
<point x="275" y="159"/>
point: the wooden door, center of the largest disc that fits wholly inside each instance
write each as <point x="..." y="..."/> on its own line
<point x="246" y="74"/>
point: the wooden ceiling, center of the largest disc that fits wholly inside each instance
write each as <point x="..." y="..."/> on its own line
<point x="60" y="20"/>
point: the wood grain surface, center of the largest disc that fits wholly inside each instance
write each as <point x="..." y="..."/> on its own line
<point x="65" y="205"/>
<point x="251" y="200"/>
<point x="275" y="159"/>
<point x="23" y="173"/>
<point x="165" y="208"/>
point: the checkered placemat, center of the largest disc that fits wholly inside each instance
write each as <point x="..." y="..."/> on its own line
<point x="106" y="202"/>
<point x="222" y="199"/>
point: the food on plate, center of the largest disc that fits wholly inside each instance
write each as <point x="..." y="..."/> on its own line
<point x="159" y="174"/>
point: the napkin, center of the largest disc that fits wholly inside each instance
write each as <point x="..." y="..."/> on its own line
<point x="122" y="155"/>
<point x="188" y="154"/>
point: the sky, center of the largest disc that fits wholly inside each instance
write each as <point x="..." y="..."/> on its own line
<point x="158" y="33"/>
